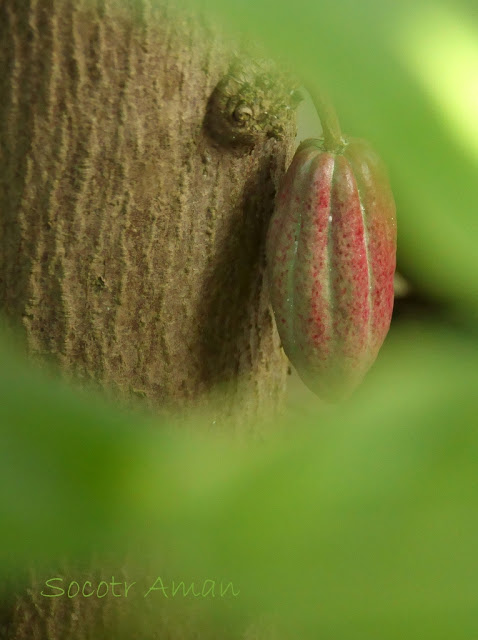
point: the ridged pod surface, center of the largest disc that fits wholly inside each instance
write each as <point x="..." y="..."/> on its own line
<point x="331" y="248"/>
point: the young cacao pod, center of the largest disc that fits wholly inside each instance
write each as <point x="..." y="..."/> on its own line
<point x="330" y="251"/>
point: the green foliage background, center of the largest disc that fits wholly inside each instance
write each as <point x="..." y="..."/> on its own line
<point x="357" y="521"/>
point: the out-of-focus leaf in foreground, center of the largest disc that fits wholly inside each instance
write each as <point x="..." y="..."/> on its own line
<point x="366" y="526"/>
<point x="358" y="522"/>
<point x="64" y="466"/>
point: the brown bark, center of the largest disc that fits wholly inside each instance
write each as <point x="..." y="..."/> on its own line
<point x="131" y="241"/>
<point x="132" y="224"/>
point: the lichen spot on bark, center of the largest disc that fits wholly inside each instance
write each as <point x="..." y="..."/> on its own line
<point x="251" y="102"/>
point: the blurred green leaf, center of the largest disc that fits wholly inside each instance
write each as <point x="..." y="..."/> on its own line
<point x="361" y="522"/>
<point x="65" y="461"/>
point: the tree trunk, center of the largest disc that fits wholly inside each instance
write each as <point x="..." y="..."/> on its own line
<point x="132" y="238"/>
<point x="134" y="201"/>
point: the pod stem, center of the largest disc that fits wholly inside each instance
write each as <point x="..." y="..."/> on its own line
<point x="333" y="139"/>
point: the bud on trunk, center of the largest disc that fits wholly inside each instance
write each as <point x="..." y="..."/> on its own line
<point x="331" y="249"/>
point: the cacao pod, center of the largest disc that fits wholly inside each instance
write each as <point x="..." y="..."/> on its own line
<point x="331" y="248"/>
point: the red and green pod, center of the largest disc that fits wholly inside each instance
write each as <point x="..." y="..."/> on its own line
<point x="331" y="249"/>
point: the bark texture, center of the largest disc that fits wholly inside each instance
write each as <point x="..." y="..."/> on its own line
<point x="131" y="238"/>
<point x="131" y="246"/>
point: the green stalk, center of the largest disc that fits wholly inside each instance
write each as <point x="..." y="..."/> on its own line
<point x="333" y="139"/>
